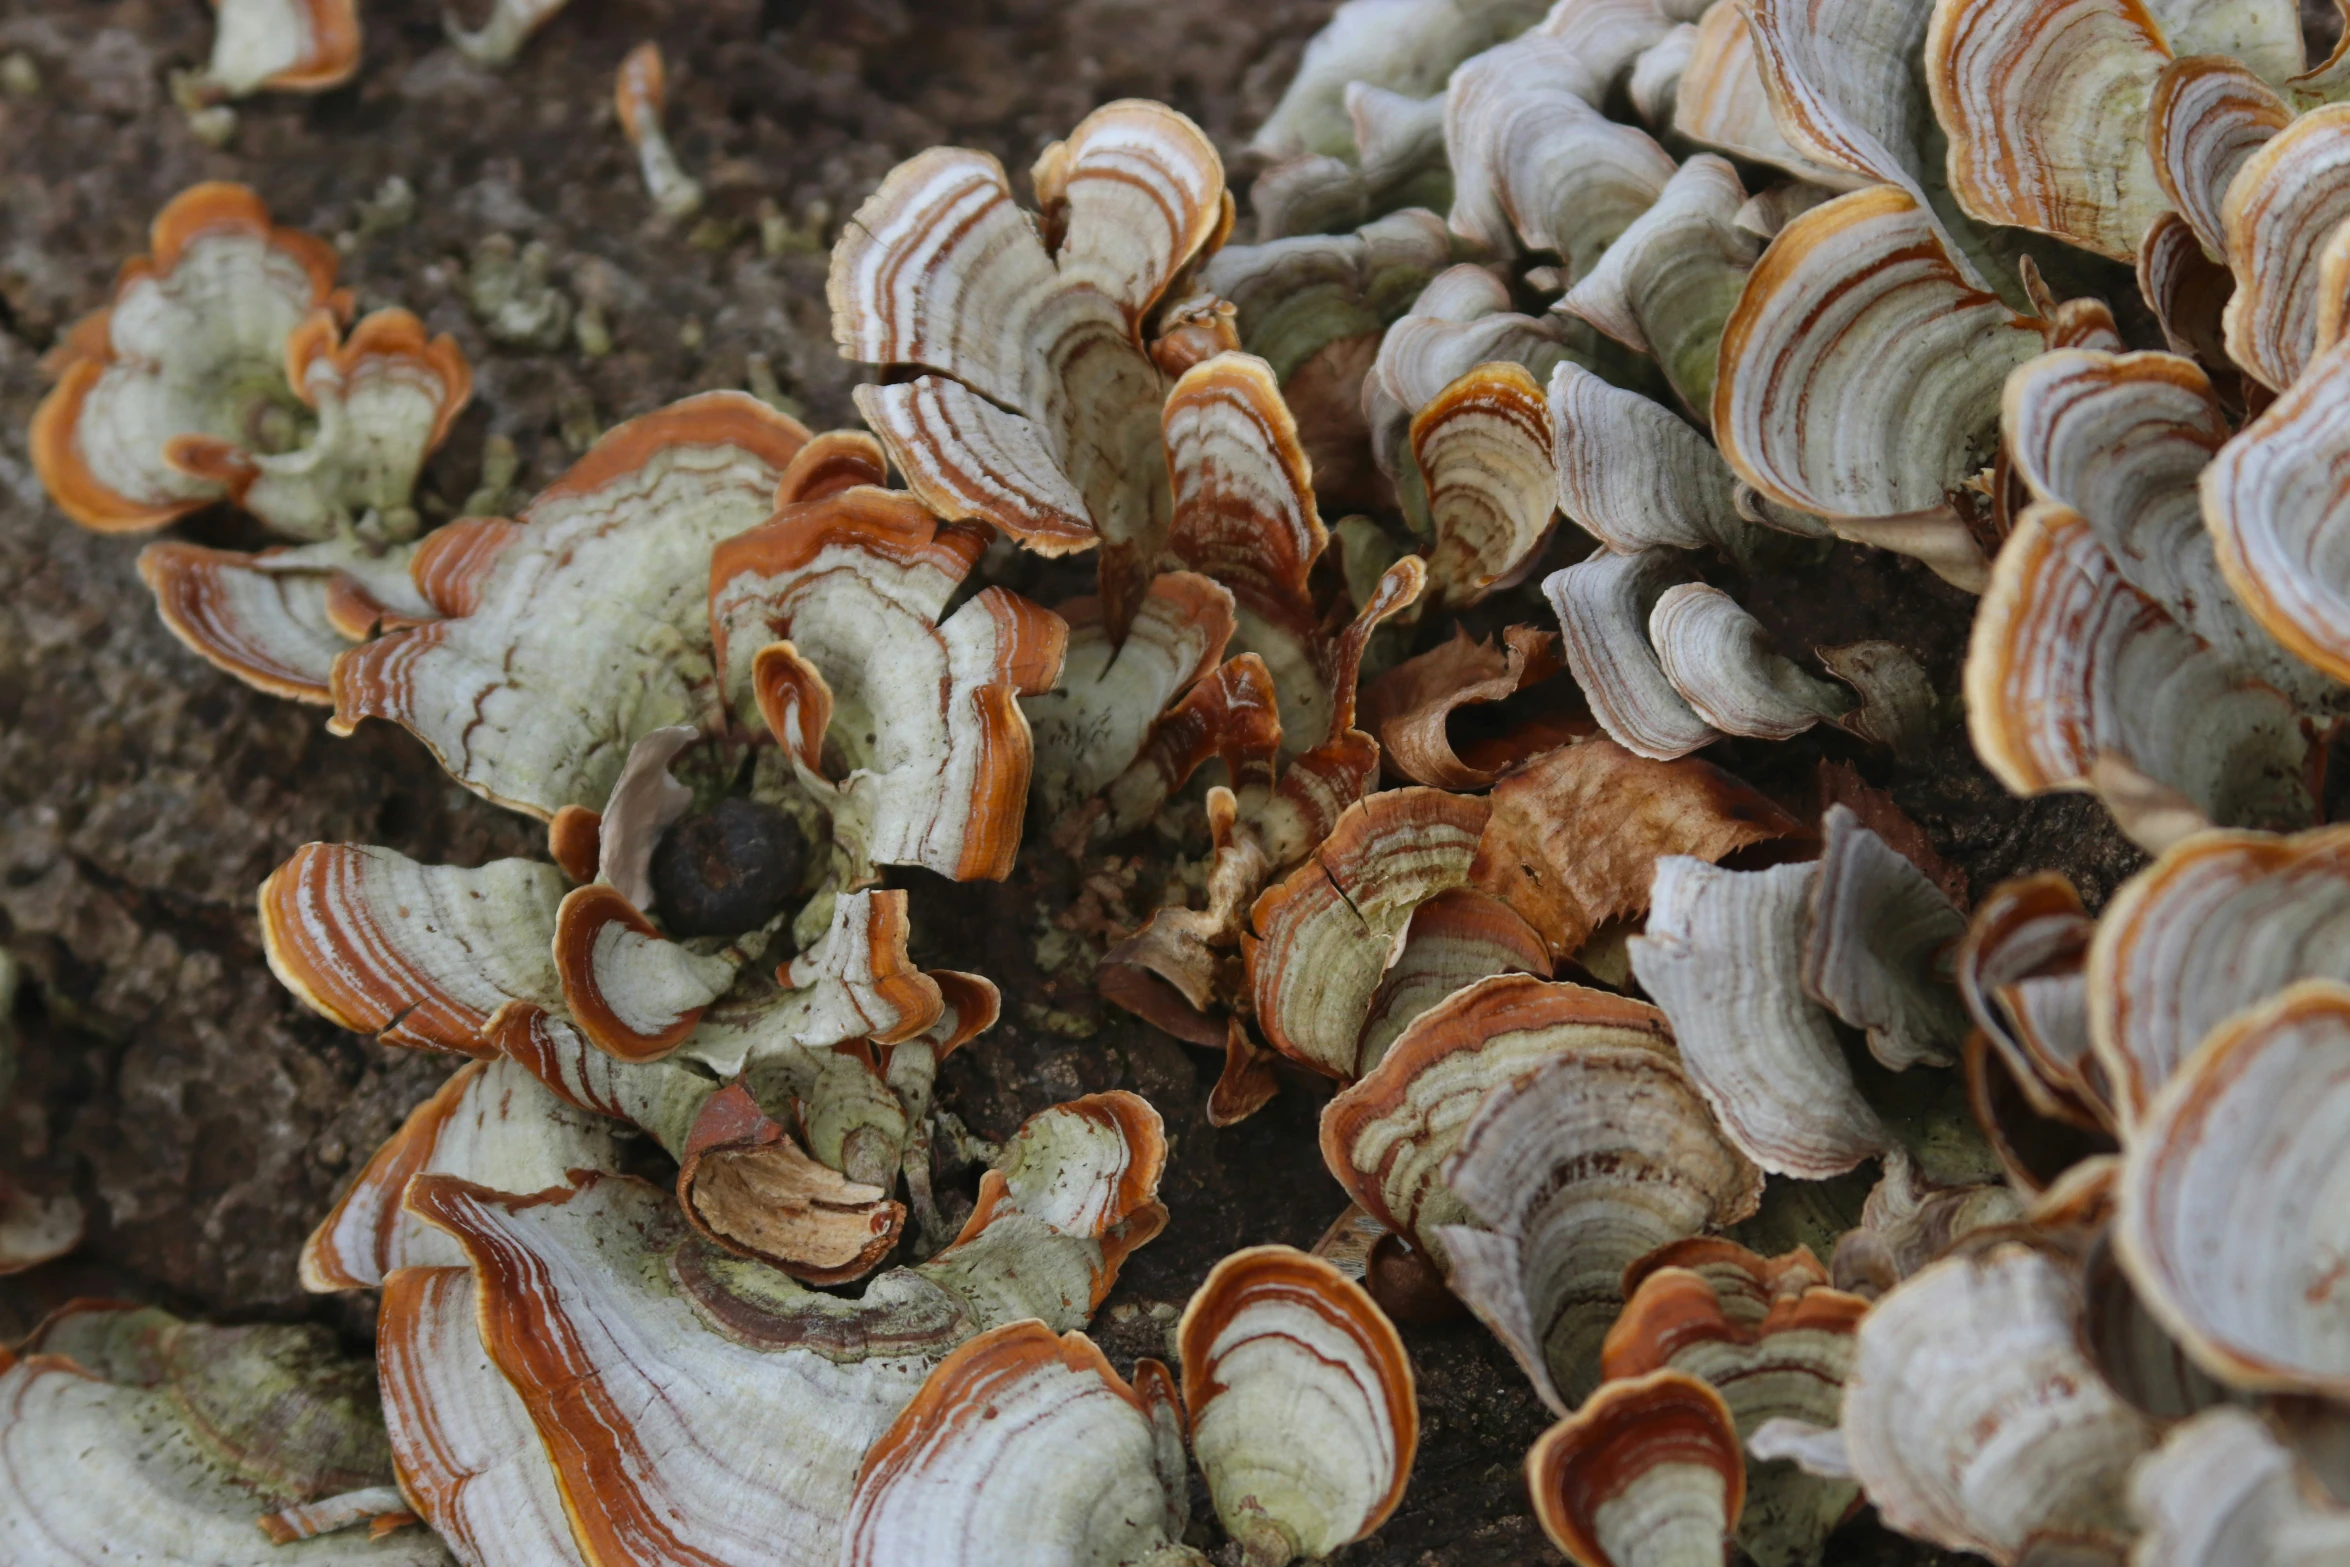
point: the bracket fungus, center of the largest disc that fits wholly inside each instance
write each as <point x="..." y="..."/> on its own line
<point x="280" y="46"/>
<point x="2222" y="921"/>
<point x="1861" y="373"/>
<point x="1774" y="1340"/>
<point x="2247" y="1119"/>
<point x="1647" y="1473"/>
<point x="1023" y="1446"/>
<point x="1724" y="953"/>
<point x="1575" y="1169"/>
<point x="2272" y="524"/>
<point x="129" y="1435"/>
<point x="1302" y="1409"/>
<point x="504" y="29"/>
<point x="1386" y="1137"/>
<point x="1326" y="935"/>
<point x="799" y="673"/>
<point x="641" y="95"/>
<point x="221" y="371"/>
<point x="2077" y="680"/>
<point x="2222" y="1487"/>
<point x="1037" y="406"/>
<point x="1972" y="1418"/>
<point x="2021" y="973"/>
<point x="595" y="1354"/>
<point x="2048" y="107"/>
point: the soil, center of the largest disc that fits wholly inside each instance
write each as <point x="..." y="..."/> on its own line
<point x="204" y="1117"/>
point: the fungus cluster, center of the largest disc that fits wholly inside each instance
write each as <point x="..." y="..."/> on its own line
<point x="1429" y="553"/>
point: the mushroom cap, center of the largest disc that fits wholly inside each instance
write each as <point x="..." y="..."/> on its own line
<point x="1604" y="603"/>
<point x="490" y="1122"/>
<point x="836" y="608"/>
<point x="2273" y="529"/>
<point x="2209" y="113"/>
<point x="2076" y="679"/>
<point x="1041" y="414"/>
<point x="2281" y="207"/>
<point x="2047" y="107"/>
<point x="1386" y="1137"/>
<point x="1535" y="164"/>
<point x="677" y="1399"/>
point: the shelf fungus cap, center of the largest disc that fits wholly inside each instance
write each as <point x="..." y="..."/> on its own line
<point x="2222" y="1487"/>
<point x="1604" y="603"/>
<point x="282" y="46"/>
<point x="491" y="1123"/>
<point x="829" y="623"/>
<point x="2220" y="922"/>
<point x="1386" y="1138"/>
<point x="1326" y="935"/>
<point x="2046" y="107"/>
<point x="1668" y="282"/>
<point x="129" y="1435"/>
<point x="2020" y="972"/>
<point x="1973" y="1419"/>
<point x="1647" y="1473"/>
<point x="1724" y="953"/>
<point x="2250" y="1124"/>
<point x="2274" y="529"/>
<point x="1038" y="410"/>
<point x="1579" y="1167"/>
<point x="2208" y="114"/>
<point x="1302" y="1409"/>
<point x="500" y="691"/>
<point x="611" y="1378"/>
<point x="1842" y="80"/>
<point x="1535" y="164"/>
<point x="1722" y="101"/>
<point x="1025" y="1446"/>
<point x="2281" y="209"/>
<point x="1861" y="373"/>
<point x="1099" y="714"/>
<point x="418" y="955"/>
<point x="2123" y="440"/>
<point x="1785" y="1361"/>
<point x="1881" y="944"/>
<point x="1483" y="449"/>
<point x="1634" y="475"/>
<point x="2077" y="680"/>
<point x="1720" y="661"/>
<point x="219" y="370"/>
